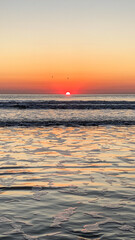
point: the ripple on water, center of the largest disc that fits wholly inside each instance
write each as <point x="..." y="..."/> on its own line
<point x="67" y="183"/>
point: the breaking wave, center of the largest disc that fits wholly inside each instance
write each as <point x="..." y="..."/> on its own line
<point x="71" y="123"/>
<point x="74" y="104"/>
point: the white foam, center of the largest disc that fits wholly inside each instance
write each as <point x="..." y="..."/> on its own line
<point x="127" y="228"/>
<point x="109" y="205"/>
<point x="91" y="228"/>
<point x="5" y="219"/>
<point x="94" y="214"/>
<point x="28" y="237"/>
<point x="17" y="227"/>
<point x="38" y="193"/>
<point x="8" y="182"/>
<point x="63" y="216"/>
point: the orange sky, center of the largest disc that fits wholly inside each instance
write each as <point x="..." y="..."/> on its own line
<point x="77" y="46"/>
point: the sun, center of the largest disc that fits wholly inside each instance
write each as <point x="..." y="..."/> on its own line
<point x="68" y="93"/>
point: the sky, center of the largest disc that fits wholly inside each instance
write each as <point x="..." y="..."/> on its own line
<point x="54" y="46"/>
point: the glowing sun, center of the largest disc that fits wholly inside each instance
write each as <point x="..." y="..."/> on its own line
<point x="68" y="93"/>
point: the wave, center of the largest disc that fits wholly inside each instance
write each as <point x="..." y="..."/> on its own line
<point x="74" y="104"/>
<point x="70" y="123"/>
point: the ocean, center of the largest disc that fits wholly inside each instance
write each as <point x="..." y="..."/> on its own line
<point x="67" y="167"/>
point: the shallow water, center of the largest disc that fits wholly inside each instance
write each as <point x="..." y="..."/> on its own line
<point x="73" y="183"/>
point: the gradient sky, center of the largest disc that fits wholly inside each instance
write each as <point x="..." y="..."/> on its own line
<point x="53" y="46"/>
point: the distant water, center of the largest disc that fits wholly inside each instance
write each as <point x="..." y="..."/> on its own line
<point x="67" y="167"/>
<point x="85" y="110"/>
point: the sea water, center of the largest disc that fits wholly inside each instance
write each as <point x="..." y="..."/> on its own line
<point x="67" y="167"/>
